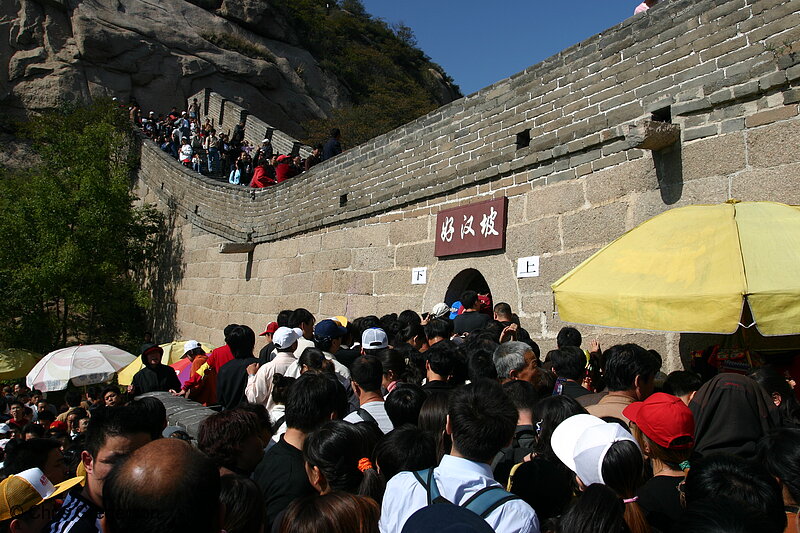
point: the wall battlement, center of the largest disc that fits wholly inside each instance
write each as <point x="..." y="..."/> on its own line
<point x="718" y="66"/>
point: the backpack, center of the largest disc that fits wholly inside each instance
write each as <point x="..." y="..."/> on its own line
<point x="482" y="503"/>
<point x="521" y="445"/>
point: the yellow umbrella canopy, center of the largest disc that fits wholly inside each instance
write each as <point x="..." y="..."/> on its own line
<point x="173" y="351"/>
<point x="15" y="363"/>
<point x="690" y="269"/>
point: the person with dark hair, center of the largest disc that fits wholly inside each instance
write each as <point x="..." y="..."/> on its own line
<point x="471" y="319"/>
<point x="158" y="489"/>
<point x="598" y="510"/>
<point x="683" y="384"/>
<point x="523" y="396"/>
<point x="404" y="404"/>
<point x="367" y="373"/>
<point x="18" y="419"/>
<point x="732" y="413"/>
<point x="776" y="385"/>
<point x="664" y="428"/>
<point x="481" y="420"/>
<point x="113" y="434"/>
<point x="437" y="330"/>
<point x="73" y="400"/>
<point x="281" y="474"/>
<point x="444" y="360"/>
<point x="243" y="504"/>
<point x="480" y="365"/>
<point x="433" y="419"/>
<point x="280" y="391"/>
<point x="405" y="449"/>
<point x="569" y="366"/>
<point x="154" y="376"/>
<point x="35" y="431"/>
<point x="396" y="370"/>
<point x="339" y="456"/>
<point x="504" y="315"/>
<point x="745" y="482"/>
<point x="232" y="378"/>
<point x="303" y="320"/>
<point x="111" y="396"/>
<point x="569" y="336"/>
<point x="630" y="377"/>
<point x="779" y="452"/>
<point x="233" y="440"/>
<point x="94" y="397"/>
<point x="44" y="454"/>
<point x="153" y="412"/>
<point x="334" y="512"/>
<point x="719" y="514"/>
<point x="332" y="146"/>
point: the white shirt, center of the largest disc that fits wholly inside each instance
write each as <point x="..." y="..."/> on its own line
<point x="378" y="411"/>
<point x="278" y="412"/>
<point x="457" y="480"/>
<point x="259" y="386"/>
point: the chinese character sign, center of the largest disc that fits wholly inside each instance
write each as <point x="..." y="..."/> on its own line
<point x="471" y="228"/>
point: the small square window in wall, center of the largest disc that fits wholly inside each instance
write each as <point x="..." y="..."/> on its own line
<point x="343" y="200"/>
<point x="523" y="139"/>
<point x="663" y="115"/>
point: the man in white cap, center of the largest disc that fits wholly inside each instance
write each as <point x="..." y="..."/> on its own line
<point x="27" y="500"/>
<point x="373" y="340"/>
<point x="259" y="379"/>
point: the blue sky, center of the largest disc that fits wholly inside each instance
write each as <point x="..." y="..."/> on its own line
<point x="481" y="42"/>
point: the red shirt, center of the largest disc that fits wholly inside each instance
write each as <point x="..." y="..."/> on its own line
<point x="216" y="359"/>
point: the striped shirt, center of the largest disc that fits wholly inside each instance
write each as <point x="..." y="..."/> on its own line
<point x="76" y="515"/>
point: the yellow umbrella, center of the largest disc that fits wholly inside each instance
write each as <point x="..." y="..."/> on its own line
<point x="173" y="351"/>
<point x="15" y="363"/>
<point x="691" y="269"/>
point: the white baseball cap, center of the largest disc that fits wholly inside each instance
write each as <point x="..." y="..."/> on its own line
<point x="592" y="447"/>
<point x="440" y="310"/>
<point x="566" y="435"/>
<point x="374" y="339"/>
<point x="285" y="337"/>
<point x="190" y="345"/>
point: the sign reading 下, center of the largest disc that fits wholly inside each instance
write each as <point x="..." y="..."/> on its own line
<point x="471" y="228"/>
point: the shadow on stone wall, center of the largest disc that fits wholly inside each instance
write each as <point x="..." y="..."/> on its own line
<point x="669" y="170"/>
<point x="164" y="278"/>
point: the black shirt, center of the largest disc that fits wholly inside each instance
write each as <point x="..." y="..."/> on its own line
<point x="661" y="501"/>
<point x="469" y="321"/>
<point x="281" y="476"/>
<point x="573" y="390"/>
<point x="231" y="382"/>
<point x="437" y="386"/>
<point x="347" y="356"/>
<point x="265" y="355"/>
<point x="332" y="147"/>
<point x="160" y="378"/>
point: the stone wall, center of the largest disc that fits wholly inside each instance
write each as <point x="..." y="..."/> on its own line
<point x="725" y="71"/>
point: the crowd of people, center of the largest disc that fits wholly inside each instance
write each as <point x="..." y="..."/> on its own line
<point x="449" y="420"/>
<point x="199" y="146"/>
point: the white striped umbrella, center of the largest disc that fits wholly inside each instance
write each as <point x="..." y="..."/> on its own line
<point x="82" y="364"/>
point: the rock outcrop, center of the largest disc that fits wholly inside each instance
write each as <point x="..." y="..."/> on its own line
<point x="159" y="52"/>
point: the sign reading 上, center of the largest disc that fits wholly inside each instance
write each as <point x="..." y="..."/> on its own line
<point x="528" y="267"/>
<point x="471" y="228"/>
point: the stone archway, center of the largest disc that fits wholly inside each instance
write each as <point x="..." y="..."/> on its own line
<point x="452" y="276"/>
<point x="467" y="279"/>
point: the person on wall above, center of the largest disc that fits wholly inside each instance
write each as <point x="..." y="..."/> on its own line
<point x="644" y="6"/>
<point x="333" y="146"/>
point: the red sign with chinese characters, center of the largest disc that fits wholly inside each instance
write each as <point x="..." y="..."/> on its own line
<point x="471" y="228"/>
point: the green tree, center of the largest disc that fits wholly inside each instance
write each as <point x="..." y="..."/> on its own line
<point x="73" y="248"/>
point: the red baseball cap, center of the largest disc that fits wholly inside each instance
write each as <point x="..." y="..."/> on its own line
<point x="663" y="418"/>
<point x="271" y="328"/>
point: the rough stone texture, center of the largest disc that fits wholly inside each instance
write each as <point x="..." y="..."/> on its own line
<point x="574" y="189"/>
<point x="50" y="53"/>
